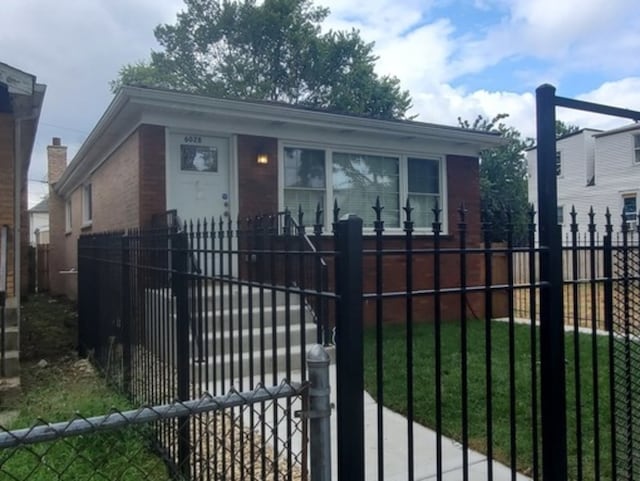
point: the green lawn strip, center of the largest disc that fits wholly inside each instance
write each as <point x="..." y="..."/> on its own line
<point x="62" y="391"/>
<point x="424" y="388"/>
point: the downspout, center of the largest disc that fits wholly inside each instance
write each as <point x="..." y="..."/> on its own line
<point x="17" y="278"/>
<point x="17" y="227"/>
<point x="4" y="240"/>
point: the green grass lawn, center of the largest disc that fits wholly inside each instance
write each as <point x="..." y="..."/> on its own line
<point x="58" y="392"/>
<point x="424" y="389"/>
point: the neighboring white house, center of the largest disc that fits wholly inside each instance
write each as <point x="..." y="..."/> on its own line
<point x="595" y="169"/>
<point x="39" y="223"/>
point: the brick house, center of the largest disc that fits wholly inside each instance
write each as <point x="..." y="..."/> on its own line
<point x="155" y="150"/>
<point x="20" y="104"/>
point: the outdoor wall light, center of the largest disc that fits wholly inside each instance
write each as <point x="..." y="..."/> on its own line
<point x="262" y="158"/>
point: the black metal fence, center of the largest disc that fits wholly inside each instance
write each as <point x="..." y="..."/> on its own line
<point x="441" y="327"/>
<point x="452" y="340"/>
<point x="180" y="310"/>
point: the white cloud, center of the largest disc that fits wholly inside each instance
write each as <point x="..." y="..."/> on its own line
<point x="77" y="47"/>
<point x="569" y="33"/>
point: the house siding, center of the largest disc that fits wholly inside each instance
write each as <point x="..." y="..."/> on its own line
<point x="130" y="186"/>
<point x="609" y="158"/>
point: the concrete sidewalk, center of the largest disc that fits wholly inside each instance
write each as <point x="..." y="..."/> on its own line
<point x="395" y="446"/>
<point x="395" y="449"/>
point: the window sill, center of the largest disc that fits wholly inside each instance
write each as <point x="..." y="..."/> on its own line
<point x="86" y="225"/>
<point x="68" y="232"/>
<point x="369" y="234"/>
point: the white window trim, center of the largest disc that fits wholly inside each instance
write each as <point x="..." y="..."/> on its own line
<point x="559" y="157"/>
<point x="628" y="194"/>
<point x="634" y="149"/>
<point x="68" y="217"/>
<point x="403" y="182"/>
<point x="87" y="217"/>
<point x="561" y="216"/>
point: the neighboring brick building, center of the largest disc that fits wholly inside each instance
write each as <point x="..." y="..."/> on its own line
<point x="20" y="103"/>
<point x="155" y="150"/>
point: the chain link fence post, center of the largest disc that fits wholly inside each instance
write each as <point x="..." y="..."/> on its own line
<point x="319" y="413"/>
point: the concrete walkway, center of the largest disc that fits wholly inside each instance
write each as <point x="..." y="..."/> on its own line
<point x="395" y="449"/>
<point x="395" y="446"/>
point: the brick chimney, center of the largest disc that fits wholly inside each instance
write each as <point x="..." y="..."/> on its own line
<point x="57" y="160"/>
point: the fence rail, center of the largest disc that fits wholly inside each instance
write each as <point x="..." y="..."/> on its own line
<point x="182" y="309"/>
<point x="443" y="327"/>
<point x="94" y="447"/>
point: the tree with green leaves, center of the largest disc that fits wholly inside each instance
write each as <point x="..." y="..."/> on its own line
<point x="273" y="51"/>
<point x="503" y="179"/>
<point x="562" y="128"/>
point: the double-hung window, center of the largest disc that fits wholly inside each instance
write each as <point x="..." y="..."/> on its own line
<point x="359" y="179"/>
<point x="356" y="179"/>
<point x="87" y="207"/>
<point x="423" y="180"/>
<point x="68" y="221"/>
<point x="636" y="148"/>
<point x="304" y="181"/>
<point x="629" y="207"/>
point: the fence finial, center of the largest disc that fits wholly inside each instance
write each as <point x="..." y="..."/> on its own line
<point x="318" y="225"/>
<point x="301" y="228"/>
<point x="436" y="225"/>
<point x="408" y="224"/>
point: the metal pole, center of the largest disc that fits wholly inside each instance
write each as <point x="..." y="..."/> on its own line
<point x="319" y="413"/>
<point x="349" y="349"/>
<point x="552" y="368"/>
<point x="179" y="249"/>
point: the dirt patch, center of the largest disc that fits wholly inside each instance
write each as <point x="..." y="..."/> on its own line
<point x="48" y="328"/>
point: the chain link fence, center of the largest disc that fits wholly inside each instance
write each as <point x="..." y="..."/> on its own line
<point x="241" y="435"/>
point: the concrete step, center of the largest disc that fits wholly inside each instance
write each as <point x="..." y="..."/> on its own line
<point x="241" y="340"/>
<point x="11" y="364"/>
<point x="10" y="317"/>
<point x="220" y="367"/>
<point x="224" y="296"/>
<point x="12" y="338"/>
<point x="267" y="316"/>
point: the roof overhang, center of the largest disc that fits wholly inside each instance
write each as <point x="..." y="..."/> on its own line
<point x="17" y="81"/>
<point x="132" y="104"/>
<point x="625" y="128"/>
<point x="26" y="98"/>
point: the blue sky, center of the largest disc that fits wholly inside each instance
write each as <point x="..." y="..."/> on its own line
<point x="456" y="57"/>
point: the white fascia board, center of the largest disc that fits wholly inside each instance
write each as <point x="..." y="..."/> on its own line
<point x="175" y="101"/>
<point x="159" y="104"/>
<point x="292" y="133"/>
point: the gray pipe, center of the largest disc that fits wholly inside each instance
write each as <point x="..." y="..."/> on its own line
<point x="319" y="413"/>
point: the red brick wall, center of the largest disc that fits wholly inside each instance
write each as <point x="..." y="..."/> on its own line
<point x="116" y="201"/>
<point x="258" y="183"/>
<point x="258" y="193"/>
<point x="7" y="180"/>
<point x="153" y="185"/>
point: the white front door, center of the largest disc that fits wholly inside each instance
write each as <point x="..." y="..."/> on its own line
<point x="198" y="176"/>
